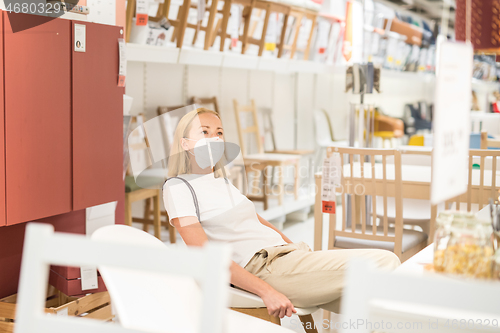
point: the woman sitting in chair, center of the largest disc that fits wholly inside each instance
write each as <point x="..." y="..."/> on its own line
<point x="203" y="205"/>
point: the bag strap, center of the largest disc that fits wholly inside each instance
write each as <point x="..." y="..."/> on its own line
<point x="195" y="199"/>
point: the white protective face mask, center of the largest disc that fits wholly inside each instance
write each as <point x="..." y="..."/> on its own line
<point x="208" y="151"/>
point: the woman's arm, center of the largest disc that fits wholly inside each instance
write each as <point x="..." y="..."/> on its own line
<point x="277" y="304"/>
<point x="267" y="224"/>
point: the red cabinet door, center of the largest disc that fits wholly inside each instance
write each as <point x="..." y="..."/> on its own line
<point x="2" y="139"/>
<point x="37" y="118"/>
<point x="97" y="118"/>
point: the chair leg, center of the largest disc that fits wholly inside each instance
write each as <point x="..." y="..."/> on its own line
<point x="282" y="37"/>
<point x="265" y="188"/>
<point x="264" y="30"/>
<point x="308" y="323"/>
<point x="281" y="180"/>
<point x="175" y="28"/>
<point x="157" y="216"/>
<point x="128" y="210"/>
<point x="297" y="180"/>
<point x="226" y="13"/>
<point x="210" y="25"/>
<point x="247" y="17"/>
<point x="296" y="37"/>
<point x="306" y="52"/>
<point x="260" y="313"/>
<point x="128" y="19"/>
<point x="147" y="213"/>
<point x="171" y="232"/>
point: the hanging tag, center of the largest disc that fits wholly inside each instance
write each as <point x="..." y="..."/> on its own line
<point x="141" y="9"/>
<point x="271" y="34"/>
<point x="201" y="10"/>
<point x="323" y="30"/>
<point x="234" y="24"/>
<point x="329" y="181"/>
<point x="89" y="277"/>
<point x="122" y="67"/>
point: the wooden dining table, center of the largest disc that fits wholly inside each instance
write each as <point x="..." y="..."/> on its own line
<point x="416" y="184"/>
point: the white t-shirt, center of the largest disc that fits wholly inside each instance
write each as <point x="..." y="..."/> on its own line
<point x="226" y="215"/>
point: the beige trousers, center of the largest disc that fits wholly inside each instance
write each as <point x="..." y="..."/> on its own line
<point x="312" y="278"/>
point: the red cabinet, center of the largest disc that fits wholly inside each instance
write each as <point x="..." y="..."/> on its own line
<point x="2" y="133"/>
<point x="37" y="119"/>
<point x="97" y="118"/>
<point x="63" y="119"/>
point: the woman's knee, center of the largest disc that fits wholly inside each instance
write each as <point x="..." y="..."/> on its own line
<point x="387" y="260"/>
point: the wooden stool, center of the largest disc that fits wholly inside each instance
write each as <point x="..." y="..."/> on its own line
<point x="134" y="193"/>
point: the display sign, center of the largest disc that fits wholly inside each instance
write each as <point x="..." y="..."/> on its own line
<point x="89" y="277"/>
<point x="451" y="121"/>
<point x="122" y="66"/>
<point x="141" y="9"/>
<point x="329" y="181"/>
<point x="80" y="38"/>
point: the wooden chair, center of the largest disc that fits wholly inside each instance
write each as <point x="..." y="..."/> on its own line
<point x="481" y="181"/>
<point x="360" y="182"/>
<point x="181" y="22"/>
<point x="247" y="37"/>
<point x="260" y="161"/>
<point x="148" y="283"/>
<point x="299" y="14"/>
<point x="179" y="25"/>
<point x="487" y="142"/>
<point x="210" y="102"/>
<point x="134" y="192"/>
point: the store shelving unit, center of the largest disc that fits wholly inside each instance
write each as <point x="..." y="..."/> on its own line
<point x="192" y="56"/>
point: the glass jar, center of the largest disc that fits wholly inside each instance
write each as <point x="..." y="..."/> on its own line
<point x="469" y="252"/>
<point x="441" y="238"/>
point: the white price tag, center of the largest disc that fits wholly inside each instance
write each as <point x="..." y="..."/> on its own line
<point x="89" y="277"/>
<point x="330" y="180"/>
<point x="141" y="9"/>
<point x="63" y="312"/>
<point x="122" y="67"/>
<point x="201" y="10"/>
<point x="234" y="24"/>
<point x="80" y="38"/>
<point x="451" y="121"/>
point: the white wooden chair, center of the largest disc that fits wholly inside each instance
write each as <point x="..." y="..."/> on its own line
<point x="482" y="183"/>
<point x="141" y="290"/>
<point x="361" y="180"/>
<point x="324" y="135"/>
<point x="416" y="303"/>
<point x="239" y="300"/>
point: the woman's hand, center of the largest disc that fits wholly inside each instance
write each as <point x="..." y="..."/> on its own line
<point x="277" y="304"/>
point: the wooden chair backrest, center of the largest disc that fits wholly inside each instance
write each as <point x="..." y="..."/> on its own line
<point x="164" y="109"/>
<point x="479" y="191"/>
<point x="125" y="265"/>
<point x="488" y="143"/>
<point x="368" y="181"/>
<point x="267" y="114"/>
<point x="253" y="129"/>
<point x="138" y="144"/>
<point x="212" y="101"/>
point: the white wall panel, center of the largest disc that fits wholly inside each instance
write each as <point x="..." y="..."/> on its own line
<point x="152" y="85"/>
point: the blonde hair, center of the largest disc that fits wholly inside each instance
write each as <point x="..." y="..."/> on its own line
<point x="179" y="162"/>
